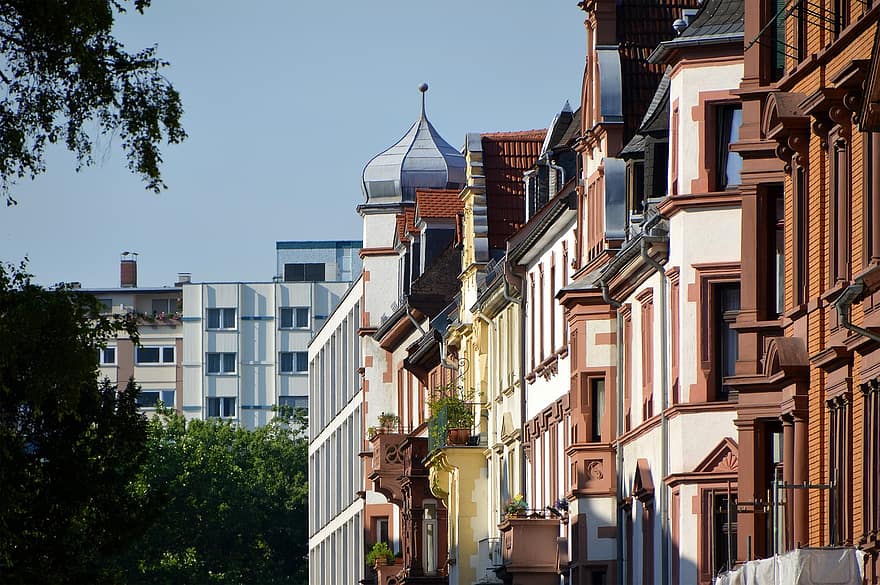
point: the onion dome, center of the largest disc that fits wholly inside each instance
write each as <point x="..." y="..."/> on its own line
<point x="420" y="160"/>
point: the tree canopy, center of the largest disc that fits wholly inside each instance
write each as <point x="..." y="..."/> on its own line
<point x="230" y="504"/>
<point x="69" y="447"/>
<point x="64" y="78"/>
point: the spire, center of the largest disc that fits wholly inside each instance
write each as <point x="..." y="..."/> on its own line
<point x="423" y="87"/>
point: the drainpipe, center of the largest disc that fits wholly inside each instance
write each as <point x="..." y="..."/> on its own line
<point x="664" y="390"/>
<point x="844" y="302"/>
<point x="413" y="319"/>
<point x="615" y="304"/>
<point x="522" y="371"/>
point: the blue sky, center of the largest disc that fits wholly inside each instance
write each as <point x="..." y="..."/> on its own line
<point x="284" y="104"/>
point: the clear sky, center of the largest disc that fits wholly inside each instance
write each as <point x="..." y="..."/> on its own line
<point x="285" y="102"/>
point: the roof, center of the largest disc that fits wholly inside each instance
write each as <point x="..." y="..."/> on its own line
<point x="405" y="224"/>
<point x="506" y="156"/>
<point x="317" y="244"/>
<point x="717" y="22"/>
<point x="656" y="117"/>
<point x="438" y="203"/>
<point x="422" y="158"/>
<point x="642" y="25"/>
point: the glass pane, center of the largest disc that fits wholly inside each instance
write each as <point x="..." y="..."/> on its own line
<point x="148" y="355"/>
<point x="213" y="407"/>
<point x="302" y="361"/>
<point x="286" y="362"/>
<point x="733" y="166"/>
<point x="160" y="306"/>
<point x="148" y="398"/>
<point x="213" y="319"/>
<point x="213" y="363"/>
<point x="302" y="317"/>
<point x="229" y="318"/>
<point x="301" y="402"/>
<point x="598" y="391"/>
<point x="229" y="407"/>
<point x="168" y="397"/>
<point x="168" y="355"/>
<point x="286" y="318"/>
<point x="314" y="272"/>
<point x="228" y="362"/>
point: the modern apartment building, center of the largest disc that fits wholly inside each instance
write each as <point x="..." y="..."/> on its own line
<point x="245" y="344"/>
<point x="155" y="364"/>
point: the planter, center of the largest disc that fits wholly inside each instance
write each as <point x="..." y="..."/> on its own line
<point x="457" y="436"/>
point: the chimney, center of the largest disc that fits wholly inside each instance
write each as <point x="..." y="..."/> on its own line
<point x="128" y="270"/>
<point x="183" y="278"/>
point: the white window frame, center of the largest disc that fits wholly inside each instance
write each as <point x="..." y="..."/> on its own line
<point x="295" y="363"/>
<point x="222" y="406"/>
<point x="293" y="317"/>
<point x="291" y="401"/>
<point x="222" y="357"/>
<point x="102" y="356"/>
<point x="161" y="392"/>
<point x="222" y="318"/>
<point x="162" y="361"/>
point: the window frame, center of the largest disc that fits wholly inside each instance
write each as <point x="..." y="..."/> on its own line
<point x="162" y="349"/>
<point x="222" y="371"/>
<point x="295" y="356"/>
<point x="161" y="393"/>
<point x="294" y="312"/>
<point x="102" y="361"/>
<point x="222" y="318"/>
<point x="222" y="403"/>
<point x="724" y="137"/>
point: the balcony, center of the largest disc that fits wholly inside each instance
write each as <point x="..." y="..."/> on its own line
<point x="529" y="549"/>
<point x="489" y="551"/>
<point x="387" y="464"/>
<point x="453" y="426"/>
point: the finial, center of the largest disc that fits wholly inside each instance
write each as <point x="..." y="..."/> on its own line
<point x="423" y="87"/>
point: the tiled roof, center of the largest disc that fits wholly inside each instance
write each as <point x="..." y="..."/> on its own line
<point x="438" y="203"/>
<point x="657" y="117"/>
<point x="405" y="224"/>
<point x="506" y="156"/>
<point x="716" y="17"/>
<point x="641" y="26"/>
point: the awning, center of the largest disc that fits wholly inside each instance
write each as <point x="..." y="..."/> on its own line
<point x="803" y="566"/>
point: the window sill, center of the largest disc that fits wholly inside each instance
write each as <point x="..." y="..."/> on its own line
<point x="294" y="373"/>
<point x="222" y="374"/>
<point x="154" y="364"/>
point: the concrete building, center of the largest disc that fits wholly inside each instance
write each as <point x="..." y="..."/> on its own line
<point x="156" y="364"/>
<point x="245" y="344"/>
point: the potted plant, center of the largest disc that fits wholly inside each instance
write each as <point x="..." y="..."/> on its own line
<point x="388" y="422"/>
<point x="458" y="411"/>
<point x="516" y="507"/>
<point x="380" y="551"/>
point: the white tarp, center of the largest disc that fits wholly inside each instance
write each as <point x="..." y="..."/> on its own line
<point x="803" y="566"/>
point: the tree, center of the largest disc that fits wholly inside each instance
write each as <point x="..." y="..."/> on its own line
<point x="229" y="504"/>
<point x="64" y="75"/>
<point x="69" y="446"/>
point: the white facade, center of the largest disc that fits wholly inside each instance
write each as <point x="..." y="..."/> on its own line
<point x="336" y="519"/>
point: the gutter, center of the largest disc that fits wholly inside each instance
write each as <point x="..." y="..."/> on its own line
<point x="664" y="402"/>
<point x="844" y="302"/>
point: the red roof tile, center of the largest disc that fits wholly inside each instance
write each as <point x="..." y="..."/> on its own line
<point x="506" y="155"/>
<point x="405" y="224"/>
<point x="438" y="203"/>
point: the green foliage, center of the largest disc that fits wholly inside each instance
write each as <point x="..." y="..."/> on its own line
<point x="379" y="551"/>
<point x="229" y="505"/>
<point x="65" y="78"/>
<point x="456" y="405"/>
<point x="388" y="421"/>
<point x="69" y="446"/>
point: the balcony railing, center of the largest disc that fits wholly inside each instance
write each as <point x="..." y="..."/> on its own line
<point x="489" y="559"/>
<point x="445" y="430"/>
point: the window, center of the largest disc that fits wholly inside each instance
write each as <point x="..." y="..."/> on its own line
<point x="722" y="531"/>
<point x="778" y="202"/>
<point x="155" y="355"/>
<point x="221" y="318"/>
<point x="294" y="362"/>
<point x="871" y="456"/>
<point x="871" y="202"/>
<point x="799" y="240"/>
<point x="151" y="398"/>
<point x="221" y="407"/>
<point x="294" y="402"/>
<point x="106" y="305"/>
<point x="840" y="472"/>
<point x="167" y="306"/>
<point x="597" y="402"/>
<point x="380" y="526"/>
<point x="430" y="537"/>
<point x="107" y="356"/>
<point x="841" y="228"/>
<point x="221" y="363"/>
<point x="729" y="163"/>
<point x="300" y="272"/>
<point x="294" y="317"/>
<point x="726" y="307"/>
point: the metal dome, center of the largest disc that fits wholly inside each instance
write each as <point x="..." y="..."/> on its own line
<point x="419" y="160"/>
